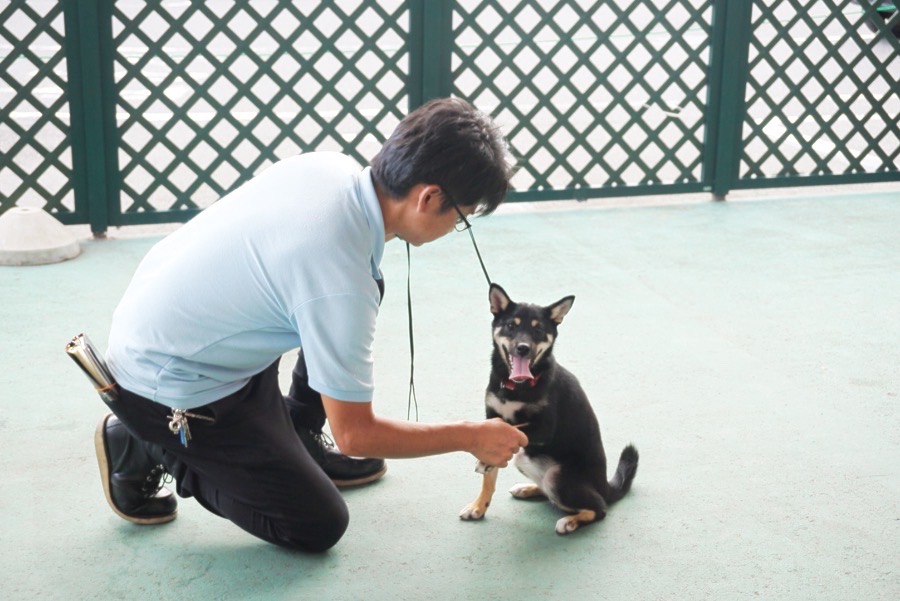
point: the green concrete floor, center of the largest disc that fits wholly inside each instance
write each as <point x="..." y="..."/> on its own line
<point x="751" y="351"/>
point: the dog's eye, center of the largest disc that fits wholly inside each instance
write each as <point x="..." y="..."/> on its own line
<point x="510" y="326"/>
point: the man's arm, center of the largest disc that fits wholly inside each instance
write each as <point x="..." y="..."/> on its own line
<point x="359" y="432"/>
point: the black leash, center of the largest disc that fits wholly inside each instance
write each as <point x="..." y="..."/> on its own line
<point x="411" y="398"/>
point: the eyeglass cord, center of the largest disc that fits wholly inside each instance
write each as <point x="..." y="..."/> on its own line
<point x="411" y="400"/>
<point x="480" y="261"/>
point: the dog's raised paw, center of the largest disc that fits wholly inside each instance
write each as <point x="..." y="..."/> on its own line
<point x="473" y="511"/>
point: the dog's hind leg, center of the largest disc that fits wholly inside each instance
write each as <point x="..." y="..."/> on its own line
<point x="477" y="508"/>
<point x="571" y="523"/>
<point x="572" y="493"/>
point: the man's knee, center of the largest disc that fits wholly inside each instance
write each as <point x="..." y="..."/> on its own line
<point x="317" y="533"/>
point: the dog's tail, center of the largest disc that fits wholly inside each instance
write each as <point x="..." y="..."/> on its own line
<point x="625" y="473"/>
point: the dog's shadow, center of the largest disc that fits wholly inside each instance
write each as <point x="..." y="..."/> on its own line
<point x="529" y="524"/>
<point x="532" y="522"/>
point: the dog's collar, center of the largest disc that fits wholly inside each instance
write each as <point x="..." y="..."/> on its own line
<point x="510" y="385"/>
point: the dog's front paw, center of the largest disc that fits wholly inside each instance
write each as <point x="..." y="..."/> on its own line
<point x="526" y="491"/>
<point x="473" y="511"/>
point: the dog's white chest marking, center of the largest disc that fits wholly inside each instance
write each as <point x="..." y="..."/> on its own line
<point x="508" y="409"/>
<point x="505" y="410"/>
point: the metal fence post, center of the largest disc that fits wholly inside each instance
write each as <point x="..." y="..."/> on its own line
<point x="92" y="104"/>
<point x="729" y="70"/>
<point x="430" y="47"/>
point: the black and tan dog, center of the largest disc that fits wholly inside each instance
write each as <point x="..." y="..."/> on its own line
<point x="528" y="388"/>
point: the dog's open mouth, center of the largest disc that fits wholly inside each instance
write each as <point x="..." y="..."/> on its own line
<point x="520" y="369"/>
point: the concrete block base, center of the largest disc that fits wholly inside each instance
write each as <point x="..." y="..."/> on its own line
<point x="31" y="236"/>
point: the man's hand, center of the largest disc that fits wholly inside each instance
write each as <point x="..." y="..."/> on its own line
<point x="497" y="442"/>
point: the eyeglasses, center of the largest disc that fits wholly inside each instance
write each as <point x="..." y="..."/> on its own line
<point x="462" y="224"/>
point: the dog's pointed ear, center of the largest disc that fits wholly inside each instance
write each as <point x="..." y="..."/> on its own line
<point x="560" y="308"/>
<point x="499" y="299"/>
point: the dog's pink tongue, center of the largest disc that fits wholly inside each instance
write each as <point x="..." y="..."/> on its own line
<point x="520" y="369"/>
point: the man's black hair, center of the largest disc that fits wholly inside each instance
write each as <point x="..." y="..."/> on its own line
<point x="449" y="143"/>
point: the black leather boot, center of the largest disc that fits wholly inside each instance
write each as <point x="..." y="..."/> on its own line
<point x="308" y="416"/>
<point x="131" y="476"/>
<point x="343" y="470"/>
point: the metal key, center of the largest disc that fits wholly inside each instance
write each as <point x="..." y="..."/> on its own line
<point x="178" y="424"/>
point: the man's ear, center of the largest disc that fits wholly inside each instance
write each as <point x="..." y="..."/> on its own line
<point x="430" y="197"/>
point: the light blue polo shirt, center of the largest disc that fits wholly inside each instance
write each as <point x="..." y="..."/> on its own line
<point x="286" y="260"/>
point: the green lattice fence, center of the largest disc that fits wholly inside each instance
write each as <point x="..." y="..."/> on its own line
<point x="118" y="112"/>
<point x="175" y="103"/>
<point x="594" y="95"/>
<point x="35" y="148"/>
<point x="681" y="95"/>
<point x="210" y="93"/>
<point x="831" y="104"/>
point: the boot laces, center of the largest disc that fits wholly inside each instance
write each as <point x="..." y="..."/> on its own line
<point x="155" y="480"/>
<point x="324" y="440"/>
<point x="322" y="444"/>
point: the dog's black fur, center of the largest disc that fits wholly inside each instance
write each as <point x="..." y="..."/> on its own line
<point x="528" y="388"/>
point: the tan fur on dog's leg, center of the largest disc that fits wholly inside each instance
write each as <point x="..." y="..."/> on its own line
<point x="477" y="508"/>
<point x="570" y="523"/>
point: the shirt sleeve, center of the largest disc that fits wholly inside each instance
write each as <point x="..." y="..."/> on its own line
<point x="337" y="334"/>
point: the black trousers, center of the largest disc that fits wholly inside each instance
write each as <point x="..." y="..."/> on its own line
<point x="248" y="466"/>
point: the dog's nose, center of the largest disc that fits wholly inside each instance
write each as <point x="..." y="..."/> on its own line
<point x="523" y="350"/>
